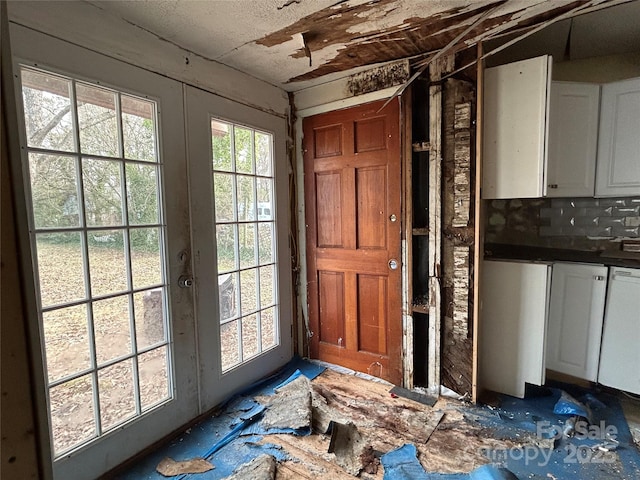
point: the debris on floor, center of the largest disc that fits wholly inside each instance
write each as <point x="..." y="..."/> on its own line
<point x="168" y="467"/>
<point x="308" y="422"/>
<point x="260" y="468"/>
<point x="348" y="446"/>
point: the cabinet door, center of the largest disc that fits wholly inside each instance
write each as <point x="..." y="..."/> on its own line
<point x="620" y="355"/>
<point x="573" y="139"/>
<point x="576" y="312"/>
<point x="618" y="172"/>
<point x="512" y="328"/>
<point x="515" y="126"/>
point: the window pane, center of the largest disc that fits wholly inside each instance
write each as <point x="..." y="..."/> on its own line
<point x="66" y="339"/>
<point x="97" y="121"/>
<point x="227" y="295"/>
<point x="102" y="192"/>
<point x="248" y="297"/>
<point x="266" y="286"/>
<point x="154" y="377"/>
<point x="146" y="259"/>
<point x="221" y="146"/>
<point x="142" y="194"/>
<point x="107" y="262"/>
<point x="150" y="320"/>
<point x="112" y="328"/>
<point x="54" y="191"/>
<point x="230" y="351"/>
<point x="224" y="197"/>
<point x="117" y="394"/>
<point x="72" y="413"/>
<point x="265" y="242"/>
<point x="60" y="268"/>
<point x="138" y="129"/>
<point x="250" y="345"/>
<point x="246" y="198"/>
<point x="263" y="154"/>
<point x="269" y="328"/>
<point x="247" y="245"/>
<point x="47" y="111"/>
<point x="265" y="199"/>
<point x="244" y="150"/>
<point x="226" y="247"/>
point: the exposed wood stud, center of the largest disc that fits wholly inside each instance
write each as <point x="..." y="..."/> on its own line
<point x="478" y="230"/>
<point x="438" y="68"/>
<point x="407" y="243"/>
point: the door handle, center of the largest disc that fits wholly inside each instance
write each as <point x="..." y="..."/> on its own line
<point x="185" y="281"/>
<point x="393" y="264"/>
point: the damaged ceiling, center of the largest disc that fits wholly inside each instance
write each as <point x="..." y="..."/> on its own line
<point x="297" y="43"/>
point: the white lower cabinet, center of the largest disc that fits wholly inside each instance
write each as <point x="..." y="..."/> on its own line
<point x="620" y="354"/>
<point x="576" y="312"/>
<point x="512" y="329"/>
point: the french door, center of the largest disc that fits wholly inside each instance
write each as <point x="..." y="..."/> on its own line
<point x="159" y="274"/>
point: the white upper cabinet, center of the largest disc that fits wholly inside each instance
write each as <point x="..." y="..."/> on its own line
<point x="576" y="311"/>
<point x="515" y="129"/>
<point x="618" y="172"/>
<point x="573" y="139"/>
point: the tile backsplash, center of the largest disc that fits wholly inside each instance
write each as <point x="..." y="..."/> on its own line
<point x="592" y="217"/>
<point x="574" y="223"/>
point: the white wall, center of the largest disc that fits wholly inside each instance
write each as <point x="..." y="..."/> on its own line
<point x="86" y="25"/>
<point x="610" y="68"/>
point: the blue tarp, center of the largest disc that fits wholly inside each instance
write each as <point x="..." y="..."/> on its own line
<point x="403" y="464"/>
<point x="218" y="439"/>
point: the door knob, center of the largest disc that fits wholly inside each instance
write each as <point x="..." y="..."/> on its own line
<point x="184" y="281"/>
<point x="393" y="264"/>
<point x="392" y="217"/>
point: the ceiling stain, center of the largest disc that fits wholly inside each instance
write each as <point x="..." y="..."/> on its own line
<point x="342" y="25"/>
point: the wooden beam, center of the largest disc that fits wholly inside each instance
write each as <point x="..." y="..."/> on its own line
<point x="407" y="238"/>
<point x="479" y="230"/>
<point x="438" y="68"/>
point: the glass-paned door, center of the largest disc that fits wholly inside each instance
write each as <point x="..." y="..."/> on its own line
<point x="239" y="188"/>
<point x="243" y="179"/>
<point x="109" y="237"/>
<point x="98" y="238"/>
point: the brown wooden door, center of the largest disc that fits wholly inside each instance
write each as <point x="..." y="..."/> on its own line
<point x="352" y="185"/>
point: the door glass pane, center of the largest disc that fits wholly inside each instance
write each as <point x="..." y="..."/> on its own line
<point x="221" y="143"/>
<point x="244" y="150"/>
<point x="263" y="154"/>
<point x="54" y="190"/>
<point x="138" y="129"/>
<point x="72" y="413"/>
<point x="146" y="257"/>
<point x="142" y="194"/>
<point x="150" y="318"/>
<point x="66" y="334"/>
<point x="102" y="183"/>
<point x="153" y="375"/>
<point x="117" y="398"/>
<point x="98" y="120"/>
<point x="60" y="268"/>
<point x="108" y="262"/>
<point x="99" y="273"/>
<point x="112" y="328"/>
<point x="47" y="111"/>
<point x="245" y="217"/>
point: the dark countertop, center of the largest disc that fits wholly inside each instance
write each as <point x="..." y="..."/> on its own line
<point x="501" y="251"/>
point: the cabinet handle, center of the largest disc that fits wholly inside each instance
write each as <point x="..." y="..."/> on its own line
<point x="553" y="185"/>
<point x="598" y="277"/>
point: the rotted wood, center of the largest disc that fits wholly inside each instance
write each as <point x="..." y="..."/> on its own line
<point x="458" y="236"/>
